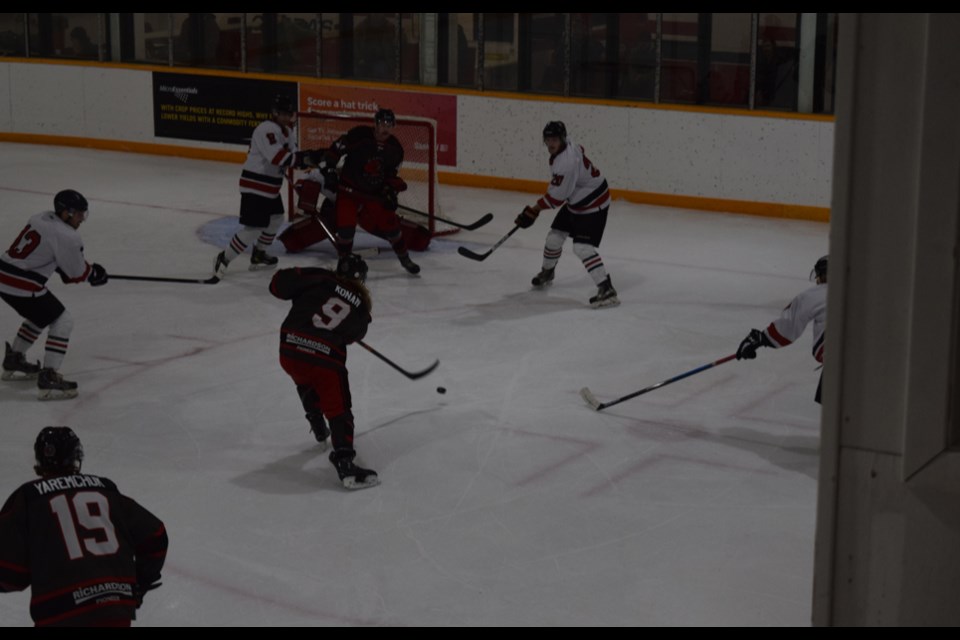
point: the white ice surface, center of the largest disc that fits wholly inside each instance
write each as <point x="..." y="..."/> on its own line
<point x="506" y="501"/>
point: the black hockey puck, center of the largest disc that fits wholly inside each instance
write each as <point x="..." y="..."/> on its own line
<point x="441" y="389"/>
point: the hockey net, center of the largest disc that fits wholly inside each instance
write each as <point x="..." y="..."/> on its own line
<point x="419" y="169"/>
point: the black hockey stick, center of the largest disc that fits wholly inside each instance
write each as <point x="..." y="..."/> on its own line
<point x="473" y="255"/>
<point x="414" y="375"/>
<point x="213" y="280"/>
<point x="600" y="406"/>
<point x="484" y="219"/>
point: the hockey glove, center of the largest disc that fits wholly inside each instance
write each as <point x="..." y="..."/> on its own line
<point x="754" y="340"/>
<point x="526" y="218"/>
<point x="390" y="202"/>
<point x="397" y="184"/>
<point x="140" y="590"/>
<point x="330" y="178"/>
<point x="98" y="276"/>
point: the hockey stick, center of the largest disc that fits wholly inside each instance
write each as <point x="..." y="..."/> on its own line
<point x="473" y="255"/>
<point x="213" y="280"/>
<point x="484" y="219"/>
<point x="413" y="375"/>
<point x="600" y="406"/>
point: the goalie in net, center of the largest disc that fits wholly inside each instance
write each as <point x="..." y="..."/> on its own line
<point x="365" y="189"/>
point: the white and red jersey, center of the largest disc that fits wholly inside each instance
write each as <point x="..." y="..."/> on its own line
<point x="45" y="245"/>
<point x="576" y="182"/>
<point x="811" y="305"/>
<point x="272" y="150"/>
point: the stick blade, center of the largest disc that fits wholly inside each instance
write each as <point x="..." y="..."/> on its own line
<point x="473" y="255"/>
<point x="590" y="399"/>
<point x="479" y="223"/>
<point x="419" y="374"/>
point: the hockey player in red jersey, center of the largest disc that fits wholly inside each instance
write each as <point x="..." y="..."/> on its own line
<point x="88" y="552"/>
<point x="368" y="185"/>
<point x="273" y="149"/>
<point x="49" y="243"/>
<point x="583" y="196"/>
<point x="309" y="228"/>
<point x="809" y="306"/>
<point x="329" y="311"/>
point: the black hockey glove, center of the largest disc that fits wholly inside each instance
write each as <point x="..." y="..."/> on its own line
<point x="526" y="218"/>
<point x="754" y="340"/>
<point x="140" y="590"/>
<point x="98" y="275"/>
<point x="330" y="178"/>
<point x="390" y="202"/>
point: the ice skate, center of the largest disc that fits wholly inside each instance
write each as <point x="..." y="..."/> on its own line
<point x="220" y="266"/>
<point x="260" y="260"/>
<point x="408" y="264"/>
<point x="352" y="476"/>
<point x="52" y="386"/>
<point x="16" y="367"/>
<point x="606" y="295"/>
<point x="543" y="278"/>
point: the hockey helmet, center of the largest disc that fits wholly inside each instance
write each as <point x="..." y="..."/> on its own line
<point x="353" y="267"/>
<point x="69" y="200"/>
<point x="57" y="450"/>
<point x="283" y="104"/>
<point x="555" y="129"/>
<point x="820" y="270"/>
<point x="385" y="117"/>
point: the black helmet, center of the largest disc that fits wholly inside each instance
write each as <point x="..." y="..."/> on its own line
<point x="283" y="104"/>
<point x="57" y="450"/>
<point x="820" y="270"/>
<point x="555" y="129"/>
<point x="385" y="116"/>
<point x="69" y="200"/>
<point x="353" y="267"/>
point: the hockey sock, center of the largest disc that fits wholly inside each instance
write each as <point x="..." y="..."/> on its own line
<point x="26" y="336"/>
<point x="268" y="234"/>
<point x="240" y="241"/>
<point x="552" y="248"/>
<point x="58" y="339"/>
<point x="399" y="246"/>
<point x="345" y="240"/>
<point x="341" y="430"/>
<point x="592" y="261"/>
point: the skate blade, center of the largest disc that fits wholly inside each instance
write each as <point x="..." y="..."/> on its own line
<point x="609" y="302"/>
<point x="262" y="267"/>
<point x="57" y="394"/>
<point x="16" y="376"/>
<point x="350" y="482"/>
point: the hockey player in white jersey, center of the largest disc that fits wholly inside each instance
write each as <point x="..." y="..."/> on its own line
<point x="809" y="306"/>
<point x="273" y="149"/>
<point x="49" y="243"/>
<point x="583" y="196"/>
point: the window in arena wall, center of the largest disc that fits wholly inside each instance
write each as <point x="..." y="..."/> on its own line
<point x="501" y="51"/>
<point x="65" y="35"/>
<point x="457" y="49"/>
<point x="282" y="43"/>
<point x="207" y="39"/>
<point x="12" y="40"/>
<point x="374" y="38"/>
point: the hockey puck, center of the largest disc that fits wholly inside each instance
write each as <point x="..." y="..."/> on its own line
<point x="441" y="389"/>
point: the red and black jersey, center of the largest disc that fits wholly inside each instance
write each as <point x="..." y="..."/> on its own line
<point x="369" y="164"/>
<point x="328" y="313"/>
<point x="81" y="545"/>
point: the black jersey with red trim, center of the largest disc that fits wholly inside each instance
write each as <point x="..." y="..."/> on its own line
<point x="81" y="545"/>
<point x="370" y="163"/>
<point x="328" y="313"/>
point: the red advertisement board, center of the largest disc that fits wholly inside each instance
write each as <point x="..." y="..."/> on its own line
<point x="439" y="107"/>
